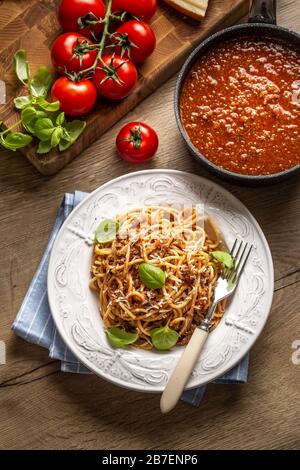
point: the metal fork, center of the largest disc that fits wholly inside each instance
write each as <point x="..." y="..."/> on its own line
<point x="225" y="286"/>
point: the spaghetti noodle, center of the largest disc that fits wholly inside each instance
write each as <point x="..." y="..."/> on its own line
<point x="179" y="243"/>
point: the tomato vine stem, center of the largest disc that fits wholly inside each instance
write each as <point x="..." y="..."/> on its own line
<point x="101" y="45"/>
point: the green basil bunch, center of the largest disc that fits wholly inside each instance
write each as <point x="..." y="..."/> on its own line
<point x="40" y="118"/>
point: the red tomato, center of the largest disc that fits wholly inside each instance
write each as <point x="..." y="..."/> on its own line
<point x="71" y="10"/>
<point x="143" y="9"/>
<point x="137" y="142"/>
<point x="116" y="78"/>
<point x="63" y="50"/>
<point x="137" y="40"/>
<point x="76" y="98"/>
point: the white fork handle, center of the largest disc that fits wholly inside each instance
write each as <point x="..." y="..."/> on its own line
<point x="182" y="371"/>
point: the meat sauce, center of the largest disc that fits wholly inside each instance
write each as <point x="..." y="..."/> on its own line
<point x="240" y="106"/>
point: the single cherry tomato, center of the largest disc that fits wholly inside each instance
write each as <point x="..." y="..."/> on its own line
<point x="78" y="15"/>
<point x="65" y="53"/>
<point x="115" y="77"/>
<point x="76" y="98"/>
<point x="143" y="9"/>
<point x="137" y="142"/>
<point x="136" y="40"/>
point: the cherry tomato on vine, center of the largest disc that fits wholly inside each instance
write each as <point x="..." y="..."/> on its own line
<point x="137" y="142"/>
<point x="136" y="40"/>
<point x="115" y="77"/>
<point x="143" y="9"/>
<point x="86" y="11"/>
<point x="76" y="98"/>
<point x="65" y="53"/>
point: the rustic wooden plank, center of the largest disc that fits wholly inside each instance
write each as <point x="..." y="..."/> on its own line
<point x="35" y="28"/>
<point x="10" y="10"/>
<point x="47" y="409"/>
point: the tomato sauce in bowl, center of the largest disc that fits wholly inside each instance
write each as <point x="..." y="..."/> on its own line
<point x="240" y="105"/>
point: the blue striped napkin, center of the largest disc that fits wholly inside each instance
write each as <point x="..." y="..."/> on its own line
<point x="34" y="322"/>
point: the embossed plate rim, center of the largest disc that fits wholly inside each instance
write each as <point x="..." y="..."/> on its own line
<point x="194" y="382"/>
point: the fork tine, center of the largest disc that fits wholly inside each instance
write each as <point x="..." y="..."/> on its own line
<point x="235" y="257"/>
<point x="238" y="261"/>
<point x="229" y="273"/>
<point x="240" y="267"/>
<point x="244" y="263"/>
<point x="233" y="247"/>
<point x="226" y="271"/>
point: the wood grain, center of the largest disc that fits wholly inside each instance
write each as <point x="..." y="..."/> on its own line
<point x="35" y="26"/>
<point x="41" y="407"/>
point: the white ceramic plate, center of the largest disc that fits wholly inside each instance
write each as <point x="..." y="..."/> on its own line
<point x="75" y="310"/>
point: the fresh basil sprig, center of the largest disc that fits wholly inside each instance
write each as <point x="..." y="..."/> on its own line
<point x="152" y="276"/>
<point x="164" y="338"/>
<point x="39" y="117"/>
<point x="119" y="337"/>
<point x="53" y="133"/>
<point x="223" y="257"/>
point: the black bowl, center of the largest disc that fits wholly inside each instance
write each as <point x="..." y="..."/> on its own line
<point x="237" y="31"/>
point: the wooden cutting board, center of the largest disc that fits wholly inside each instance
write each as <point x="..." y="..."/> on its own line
<point x="32" y="25"/>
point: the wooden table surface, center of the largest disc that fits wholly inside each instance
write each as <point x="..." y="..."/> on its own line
<point x="42" y="408"/>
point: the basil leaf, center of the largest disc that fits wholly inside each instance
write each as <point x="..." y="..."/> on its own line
<point x="28" y="114"/>
<point x="119" y="337"/>
<point x="56" y="136"/>
<point x="224" y="258"/>
<point x="106" y="231"/>
<point x="21" y="66"/>
<point x="50" y="107"/>
<point x="152" y="276"/>
<point x="74" y="129"/>
<point x="22" y="101"/>
<point x="18" y="139"/>
<point x="60" y="119"/>
<point x="64" y="144"/>
<point x="43" y="128"/>
<point x="15" y="140"/>
<point x="41" y="82"/>
<point x="44" y="123"/>
<point x="44" y="147"/>
<point x="29" y="126"/>
<point x="164" y="338"/>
